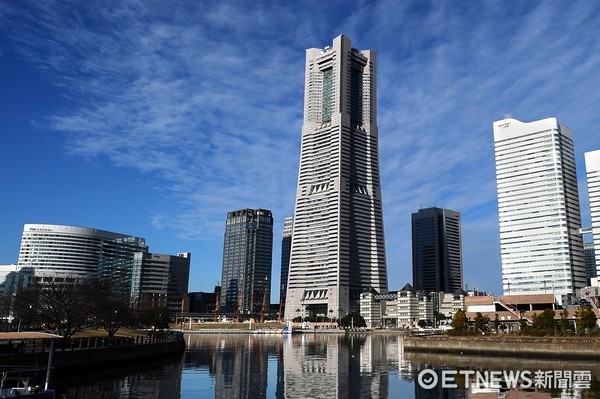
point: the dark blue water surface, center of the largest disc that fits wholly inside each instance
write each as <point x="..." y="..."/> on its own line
<point x="330" y="366"/>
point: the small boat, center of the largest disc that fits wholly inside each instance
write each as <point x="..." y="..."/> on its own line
<point x="15" y="384"/>
<point x="287" y="329"/>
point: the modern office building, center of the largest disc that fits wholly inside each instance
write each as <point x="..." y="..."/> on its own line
<point x="286" y="246"/>
<point x="338" y="243"/>
<point x="590" y="261"/>
<point x="592" y="168"/>
<point x="13" y="278"/>
<point x="65" y="253"/>
<point x="437" y="251"/>
<point x="538" y="208"/>
<point x="204" y="302"/>
<point x="247" y="256"/>
<point x="57" y="251"/>
<point x="159" y="280"/>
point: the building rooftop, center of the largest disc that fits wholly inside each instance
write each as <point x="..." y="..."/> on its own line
<point x="479" y="300"/>
<point x="527" y="299"/>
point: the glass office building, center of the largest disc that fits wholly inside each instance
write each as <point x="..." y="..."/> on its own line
<point x="437" y="251"/>
<point x="247" y="257"/>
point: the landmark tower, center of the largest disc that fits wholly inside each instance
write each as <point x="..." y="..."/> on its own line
<point x="338" y="244"/>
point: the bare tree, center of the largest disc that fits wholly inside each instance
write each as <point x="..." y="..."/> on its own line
<point x="64" y="304"/>
<point x="5" y="310"/>
<point x="112" y="306"/>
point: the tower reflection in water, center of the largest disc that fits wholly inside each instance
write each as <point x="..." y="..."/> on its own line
<point x="338" y="366"/>
<point x="320" y="365"/>
<point x="334" y="366"/>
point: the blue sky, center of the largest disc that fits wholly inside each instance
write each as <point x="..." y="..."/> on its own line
<point x="156" y="118"/>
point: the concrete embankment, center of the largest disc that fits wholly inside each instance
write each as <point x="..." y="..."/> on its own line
<point x="508" y="346"/>
<point x="90" y="353"/>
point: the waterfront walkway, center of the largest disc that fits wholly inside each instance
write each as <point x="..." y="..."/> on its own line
<point x="87" y="352"/>
<point x="508" y="345"/>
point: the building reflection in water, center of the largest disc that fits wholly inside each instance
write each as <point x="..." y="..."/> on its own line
<point x="239" y="364"/>
<point x="439" y="361"/>
<point x="153" y="380"/>
<point x="305" y="365"/>
<point x="336" y="366"/>
<point x="309" y="366"/>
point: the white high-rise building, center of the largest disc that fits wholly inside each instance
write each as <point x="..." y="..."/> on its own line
<point x="538" y="207"/>
<point x="337" y="245"/>
<point x="592" y="168"/>
<point x="72" y="251"/>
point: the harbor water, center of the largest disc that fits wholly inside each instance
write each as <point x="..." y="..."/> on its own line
<point x="330" y="365"/>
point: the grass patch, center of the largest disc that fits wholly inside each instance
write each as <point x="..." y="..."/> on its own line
<point x="99" y="332"/>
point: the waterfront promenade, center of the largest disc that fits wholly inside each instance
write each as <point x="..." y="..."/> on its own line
<point x="33" y="349"/>
<point x="508" y="345"/>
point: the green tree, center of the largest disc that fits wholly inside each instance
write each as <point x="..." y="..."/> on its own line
<point x="459" y="321"/>
<point x="353" y="319"/>
<point x="544" y="323"/>
<point x="585" y="319"/>
<point x="154" y="316"/>
<point x="437" y="316"/>
<point x="565" y="326"/>
<point x="523" y="327"/>
<point x="496" y="322"/>
<point x="481" y="322"/>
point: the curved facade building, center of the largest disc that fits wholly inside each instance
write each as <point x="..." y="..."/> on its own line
<point x="70" y="251"/>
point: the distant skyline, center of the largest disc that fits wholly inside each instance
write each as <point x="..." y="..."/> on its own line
<point x="155" y="119"/>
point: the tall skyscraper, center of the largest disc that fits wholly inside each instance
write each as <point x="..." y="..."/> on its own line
<point x="538" y="208"/>
<point x="247" y="255"/>
<point x="286" y="246"/>
<point x="437" y="252"/>
<point x="592" y="168"/>
<point x="338" y="244"/>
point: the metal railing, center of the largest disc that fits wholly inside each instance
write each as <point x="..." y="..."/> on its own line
<point x="36" y="345"/>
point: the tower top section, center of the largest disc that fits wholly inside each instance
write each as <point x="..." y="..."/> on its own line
<point x="340" y="83"/>
<point x="510" y="127"/>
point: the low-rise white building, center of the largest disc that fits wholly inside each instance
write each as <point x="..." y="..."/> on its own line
<point x="402" y="309"/>
<point x="448" y="303"/>
<point x="370" y="309"/>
